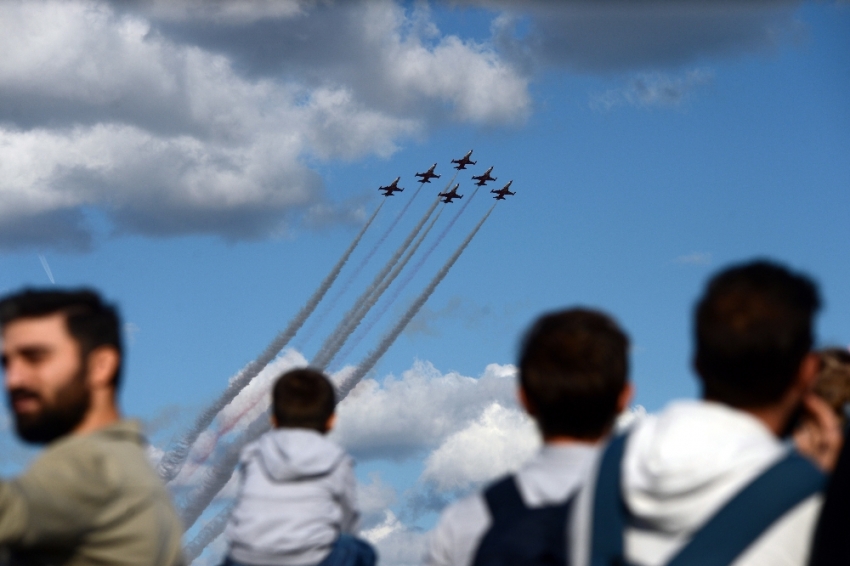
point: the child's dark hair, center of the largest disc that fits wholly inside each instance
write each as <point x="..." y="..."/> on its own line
<point x="303" y="398"/>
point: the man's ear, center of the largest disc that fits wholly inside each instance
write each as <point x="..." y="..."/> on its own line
<point x="103" y="362"/>
<point x="625" y="397"/>
<point x="329" y="424"/>
<point x="809" y="370"/>
<point x="524" y="401"/>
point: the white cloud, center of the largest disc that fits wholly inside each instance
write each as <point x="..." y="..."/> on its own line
<point x="499" y="441"/>
<point x="399" y="418"/>
<point x="695" y="258"/>
<point x="630" y="417"/>
<point x="396" y="543"/>
<point x="374" y="500"/>
<point x="169" y="135"/>
<point x="652" y="89"/>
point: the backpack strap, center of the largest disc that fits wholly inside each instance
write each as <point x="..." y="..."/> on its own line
<point x="504" y="501"/>
<point x="520" y="535"/>
<point x="751" y="512"/>
<point x="610" y="515"/>
<point x="726" y="534"/>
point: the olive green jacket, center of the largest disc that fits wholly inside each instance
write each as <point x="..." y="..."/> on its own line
<point x="91" y="499"/>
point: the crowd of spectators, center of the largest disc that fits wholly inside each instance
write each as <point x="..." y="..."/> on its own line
<point x="752" y="473"/>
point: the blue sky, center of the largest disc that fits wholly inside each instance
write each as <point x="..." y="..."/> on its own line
<point x="644" y="159"/>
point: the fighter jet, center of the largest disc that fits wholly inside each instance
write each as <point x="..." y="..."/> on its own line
<point x="451" y="194"/>
<point x="391" y="188"/>
<point x="503" y="192"/>
<point x="428" y="175"/>
<point x="464" y="161"/>
<point x="482" y="179"/>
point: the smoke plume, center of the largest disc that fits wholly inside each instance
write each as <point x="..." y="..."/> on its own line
<point x="369" y="362"/>
<point x="172" y="461"/>
<point x="416" y="268"/>
<point x="357" y="318"/>
<point x="332" y="343"/>
<point x="331" y="303"/>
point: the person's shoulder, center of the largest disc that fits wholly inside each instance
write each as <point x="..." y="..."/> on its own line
<point x="96" y="465"/>
<point x="458" y="532"/>
<point x="788" y="540"/>
<point x="467" y="514"/>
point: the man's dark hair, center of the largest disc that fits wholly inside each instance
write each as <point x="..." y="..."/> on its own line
<point x="89" y="320"/>
<point x="573" y="367"/>
<point x="303" y="398"/>
<point x="753" y="329"/>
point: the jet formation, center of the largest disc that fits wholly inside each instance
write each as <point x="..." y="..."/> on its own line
<point x="448" y="197"/>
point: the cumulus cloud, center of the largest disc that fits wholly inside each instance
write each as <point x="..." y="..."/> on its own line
<point x="594" y="37"/>
<point x="652" y="89"/>
<point x="499" y="441"/>
<point x="400" y="418"/>
<point x="397" y="543"/>
<point x="166" y="124"/>
<point x="374" y="500"/>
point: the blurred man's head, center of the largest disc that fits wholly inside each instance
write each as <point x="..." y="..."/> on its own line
<point x="61" y="356"/>
<point x="754" y="327"/>
<point x="303" y="398"/>
<point x="574" y="373"/>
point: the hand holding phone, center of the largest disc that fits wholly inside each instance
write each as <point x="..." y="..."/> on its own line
<point x="819" y="434"/>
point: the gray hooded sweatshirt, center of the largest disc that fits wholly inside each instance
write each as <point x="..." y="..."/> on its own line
<point x="296" y="494"/>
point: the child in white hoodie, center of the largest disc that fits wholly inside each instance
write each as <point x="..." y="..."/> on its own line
<point x="296" y="501"/>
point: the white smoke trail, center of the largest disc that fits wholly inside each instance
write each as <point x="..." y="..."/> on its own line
<point x="332" y="302"/>
<point x="369" y="362"/>
<point x="219" y="472"/>
<point x="343" y="329"/>
<point x="172" y="461"/>
<point x="406" y="281"/>
<point x="357" y="318"/>
<point x="207" y="535"/>
<point x="332" y="343"/>
<point x="46" y="267"/>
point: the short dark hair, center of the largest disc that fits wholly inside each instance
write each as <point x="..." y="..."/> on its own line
<point x="303" y="398"/>
<point x="89" y="320"/>
<point x="573" y="367"/>
<point x="753" y="327"/>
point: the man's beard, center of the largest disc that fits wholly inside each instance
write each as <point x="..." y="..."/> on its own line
<point x="70" y="404"/>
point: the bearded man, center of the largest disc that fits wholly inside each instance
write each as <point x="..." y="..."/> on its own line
<point x="91" y="497"/>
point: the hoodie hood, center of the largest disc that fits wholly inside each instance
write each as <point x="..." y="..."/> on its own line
<point x="291" y="454"/>
<point x="683" y="464"/>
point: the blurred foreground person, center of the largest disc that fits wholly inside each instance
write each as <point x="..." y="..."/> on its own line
<point x="831" y="545"/>
<point x="573" y="381"/>
<point x="712" y="482"/>
<point x="296" y="501"/>
<point x="90" y="498"/>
